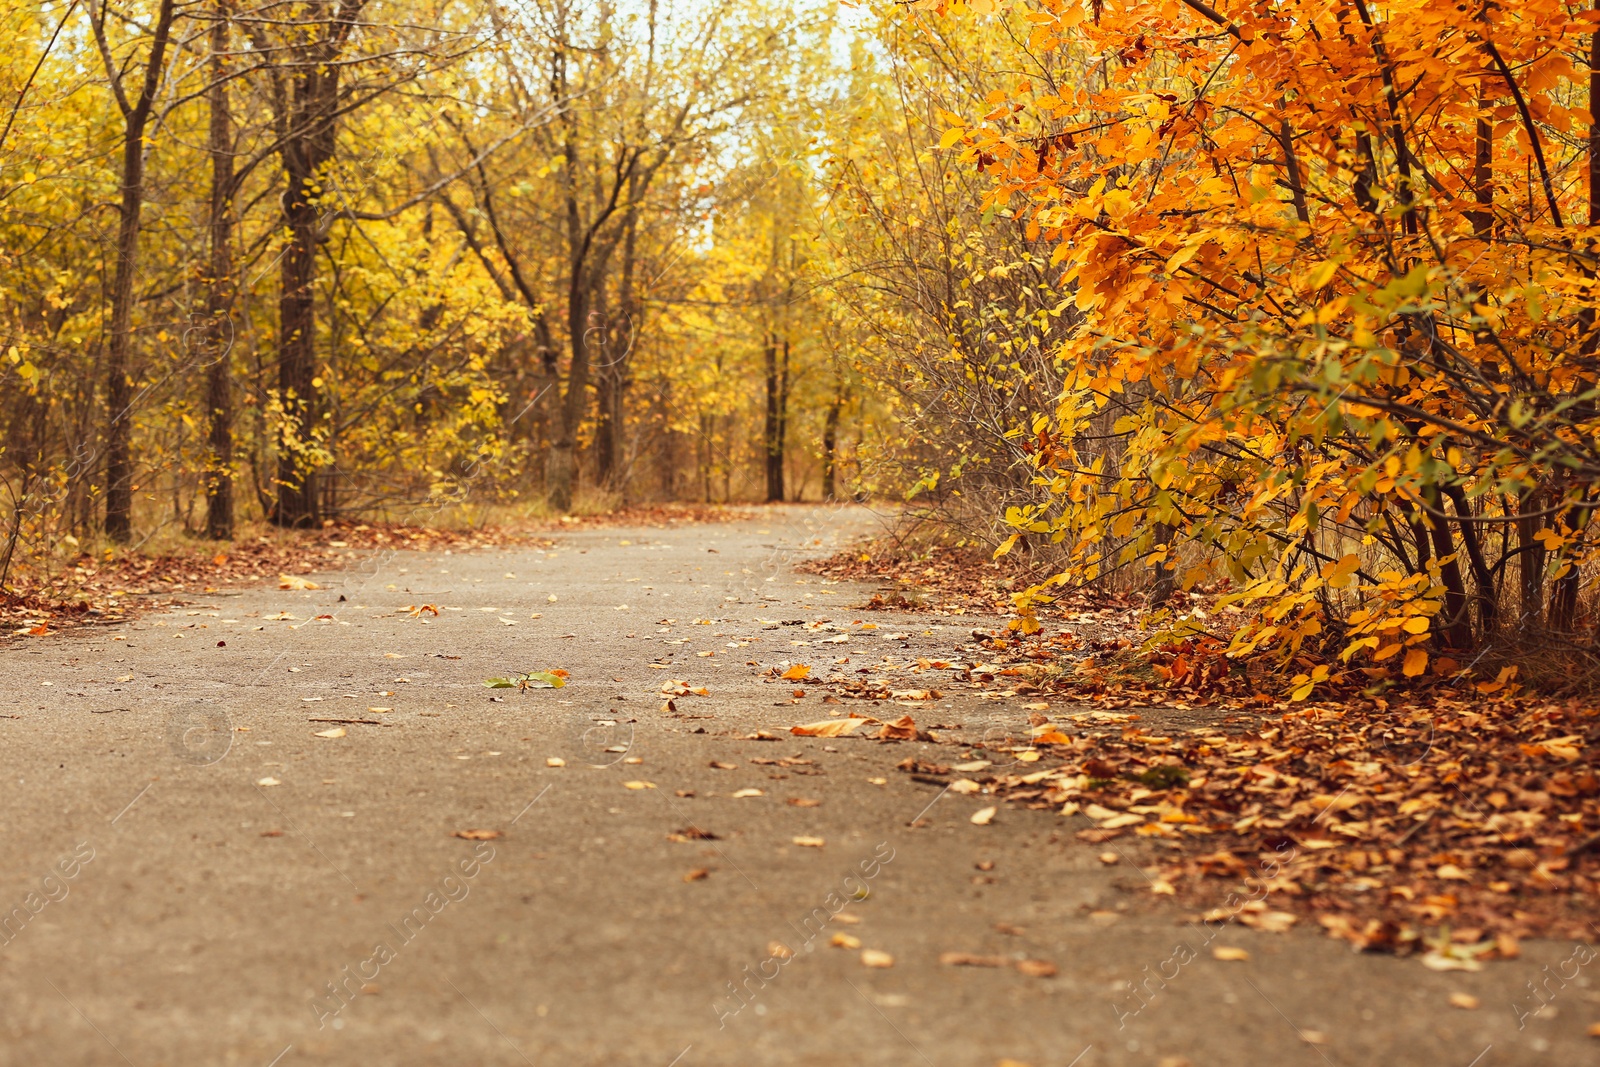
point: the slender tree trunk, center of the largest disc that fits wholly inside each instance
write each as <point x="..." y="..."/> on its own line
<point x="219" y="334"/>
<point x="119" y="386"/>
<point x="830" y="446"/>
<point x="1530" y="562"/>
<point x="773" y="430"/>
<point x="1166" y="582"/>
<point x="1458" y="620"/>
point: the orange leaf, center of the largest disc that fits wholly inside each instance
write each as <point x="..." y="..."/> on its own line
<point x="1416" y="662"/>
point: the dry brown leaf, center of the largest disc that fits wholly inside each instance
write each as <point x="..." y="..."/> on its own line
<point x="1464" y="1001"/>
<point x="740" y="794"/>
<point x="902" y="729"/>
<point x="809" y="842"/>
<point x="967" y="959"/>
<point x="294" y="581"/>
<point x="983" y="816"/>
<point x="831" y="727"/>
<point x="697" y="875"/>
<point x="1226" y="953"/>
<point x="554" y="761"/>
<point x="478" y="835"/>
<point x="844" y="940"/>
<point x="1037" y="968"/>
<point x="804" y="802"/>
<point x="871" y="957"/>
<point x="337" y="731"/>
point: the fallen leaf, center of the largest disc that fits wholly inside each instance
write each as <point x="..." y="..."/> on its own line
<point x="803" y="802"/>
<point x="1439" y="961"/>
<point x="844" y="940"/>
<point x="638" y="785"/>
<point x="699" y="873"/>
<point x="903" y="729"/>
<point x="1273" y="922"/>
<point x="1223" y="952"/>
<point x="742" y="793"/>
<point x="779" y="951"/>
<point x="1036" y="968"/>
<point x="692" y="833"/>
<point x="478" y="835"/>
<point x="871" y="957"/>
<point x="337" y="731"/>
<point x="294" y="581"/>
<point x="967" y="959"/>
<point x="964" y="786"/>
<point x="719" y="765"/>
<point x="1464" y="1001"/>
<point x="795" y="673"/>
<point x="983" y="816"/>
<point x="831" y="727"/>
<point x="268" y="781"/>
<point x="554" y="761"/>
<point x="809" y="842"/>
<point x="380" y="711"/>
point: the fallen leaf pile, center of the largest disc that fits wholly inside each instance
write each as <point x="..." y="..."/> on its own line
<point x="1476" y="820"/>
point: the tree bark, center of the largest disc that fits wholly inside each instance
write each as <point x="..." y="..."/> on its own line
<point x="119" y="386"/>
<point x="305" y="154"/>
<point x="219" y="333"/>
<point x="777" y="398"/>
<point x="830" y="446"/>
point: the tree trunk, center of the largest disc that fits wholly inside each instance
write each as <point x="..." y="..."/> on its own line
<point x="830" y="447"/>
<point x="560" y="465"/>
<point x="119" y="387"/>
<point x="1530" y="562"/>
<point x="219" y="396"/>
<point x="772" y="436"/>
<point x="307" y="150"/>
<point x="1165" y="583"/>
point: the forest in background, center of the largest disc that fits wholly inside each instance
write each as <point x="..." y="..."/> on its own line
<point x="1289" y="307"/>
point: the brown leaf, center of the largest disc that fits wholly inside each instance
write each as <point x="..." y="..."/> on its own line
<point x="699" y="874"/>
<point x="692" y="833"/>
<point x="967" y="959"/>
<point x="478" y="835"/>
<point x="903" y="729"/>
<point x="1036" y="968"/>
<point x="831" y="727"/>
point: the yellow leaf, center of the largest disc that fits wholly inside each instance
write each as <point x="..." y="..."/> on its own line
<point x="1416" y="662"/>
<point x="795" y="673"/>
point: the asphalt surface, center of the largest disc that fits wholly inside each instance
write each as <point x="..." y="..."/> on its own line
<point x="162" y="901"/>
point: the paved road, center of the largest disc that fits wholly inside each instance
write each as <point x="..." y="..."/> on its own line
<point x="162" y="903"/>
